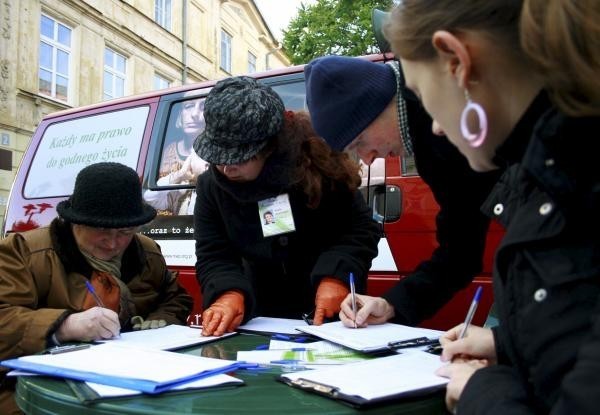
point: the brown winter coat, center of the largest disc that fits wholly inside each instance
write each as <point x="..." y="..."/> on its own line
<point x="42" y="281"/>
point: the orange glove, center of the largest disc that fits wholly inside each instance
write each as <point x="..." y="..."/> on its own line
<point x="224" y="315"/>
<point x="330" y="294"/>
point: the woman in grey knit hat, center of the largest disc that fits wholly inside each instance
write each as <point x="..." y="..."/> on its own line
<point x="264" y="158"/>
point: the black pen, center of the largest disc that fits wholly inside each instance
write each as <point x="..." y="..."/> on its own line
<point x="68" y="348"/>
<point x="416" y="342"/>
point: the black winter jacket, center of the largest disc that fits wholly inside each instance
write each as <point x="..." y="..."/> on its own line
<point x="461" y="227"/>
<point x="546" y="278"/>
<point x="278" y="274"/>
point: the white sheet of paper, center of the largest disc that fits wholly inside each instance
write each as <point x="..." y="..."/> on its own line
<point x="165" y="338"/>
<point x="126" y="361"/>
<point x="368" y="339"/>
<point x="106" y="391"/>
<point x="273" y="325"/>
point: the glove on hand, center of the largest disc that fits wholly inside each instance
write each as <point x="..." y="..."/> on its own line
<point x="92" y="324"/>
<point x="330" y="294"/>
<point x="139" y="323"/>
<point x="224" y="315"/>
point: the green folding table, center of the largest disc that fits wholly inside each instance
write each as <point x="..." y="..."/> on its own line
<point x="261" y="394"/>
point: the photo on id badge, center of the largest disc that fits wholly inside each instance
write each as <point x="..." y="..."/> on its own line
<point x="275" y="215"/>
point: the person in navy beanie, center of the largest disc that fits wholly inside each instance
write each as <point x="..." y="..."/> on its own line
<point x="363" y="107"/>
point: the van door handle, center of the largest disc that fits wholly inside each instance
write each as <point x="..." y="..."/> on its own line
<point x="386" y="203"/>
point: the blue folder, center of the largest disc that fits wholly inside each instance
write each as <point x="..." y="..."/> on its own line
<point x="142" y="385"/>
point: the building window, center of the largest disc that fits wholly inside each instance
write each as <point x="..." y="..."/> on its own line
<point x="54" y="59"/>
<point x="251" y="63"/>
<point x="114" y="74"/>
<point x="162" y="13"/>
<point x="225" y="51"/>
<point x="160" y="82"/>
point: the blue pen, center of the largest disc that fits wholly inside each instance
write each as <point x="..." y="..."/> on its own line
<point x="471" y="312"/>
<point x="293" y="349"/>
<point x="353" y="294"/>
<point x="92" y="291"/>
<point x="289" y="364"/>
<point x="285" y="361"/>
<point x="292" y="338"/>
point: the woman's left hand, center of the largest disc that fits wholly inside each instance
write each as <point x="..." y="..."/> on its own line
<point x="459" y="374"/>
<point x="330" y="294"/>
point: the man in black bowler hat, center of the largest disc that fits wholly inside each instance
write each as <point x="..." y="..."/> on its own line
<point x="87" y="276"/>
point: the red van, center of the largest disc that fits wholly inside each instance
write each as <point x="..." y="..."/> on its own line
<point x="151" y="133"/>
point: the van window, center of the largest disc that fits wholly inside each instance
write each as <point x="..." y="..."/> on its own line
<point x="179" y="165"/>
<point x="293" y="95"/>
<point x="67" y="147"/>
<point x="186" y="122"/>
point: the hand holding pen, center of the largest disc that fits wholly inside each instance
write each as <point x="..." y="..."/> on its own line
<point x="478" y="344"/>
<point x="369" y="311"/>
<point x="92" y="324"/>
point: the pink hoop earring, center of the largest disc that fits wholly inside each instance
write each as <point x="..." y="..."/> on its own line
<point x="474" y="139"/>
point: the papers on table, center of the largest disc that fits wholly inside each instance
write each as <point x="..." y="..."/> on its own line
<point x="409" y="373"/>
<point x="373" y="338"/>
<point x="271" y="325"/>
<point x="145" y="370"/>
<point x="165" y="338"/>
<point x="98" y="391"/>
<point x="302" y="355"/>
<point x="105" y="391"/>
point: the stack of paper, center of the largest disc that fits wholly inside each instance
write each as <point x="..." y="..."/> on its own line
<point x="141" y="369"/>
<point x="165" y="338"/>
<point x="271" y="325"/>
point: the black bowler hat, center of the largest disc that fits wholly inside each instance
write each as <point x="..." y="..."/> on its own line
<point x="106" y="195"/>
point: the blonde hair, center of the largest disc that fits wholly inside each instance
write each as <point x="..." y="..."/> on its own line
<point x="412" y="24"/>
<point x="562" y="38"/>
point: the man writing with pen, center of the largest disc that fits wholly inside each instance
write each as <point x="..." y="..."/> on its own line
<point x="87" y="276"/>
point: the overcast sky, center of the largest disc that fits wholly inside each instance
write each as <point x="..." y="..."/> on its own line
<point x="278" y="13"/>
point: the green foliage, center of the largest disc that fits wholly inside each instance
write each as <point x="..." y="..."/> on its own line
<point x="332" y="27"/>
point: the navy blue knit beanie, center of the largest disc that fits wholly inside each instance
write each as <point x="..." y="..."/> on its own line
<point x="345" y="95"/>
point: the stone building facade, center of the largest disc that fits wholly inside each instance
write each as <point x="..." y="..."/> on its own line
<point x="59" y="54"/>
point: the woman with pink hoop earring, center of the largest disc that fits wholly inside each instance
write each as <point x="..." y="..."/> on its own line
<point x="514" y="85"/>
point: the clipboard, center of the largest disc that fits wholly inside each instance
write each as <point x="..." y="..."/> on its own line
<point x="380" y="338"/>
<point x="372" y="382"/>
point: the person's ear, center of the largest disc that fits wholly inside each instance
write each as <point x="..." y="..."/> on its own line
<point x="454" y="55"/>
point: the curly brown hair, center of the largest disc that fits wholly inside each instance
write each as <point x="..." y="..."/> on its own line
<point x="316" y="165"/>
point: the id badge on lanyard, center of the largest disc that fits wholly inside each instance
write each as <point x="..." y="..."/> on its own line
<point x="275" y="214"/>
